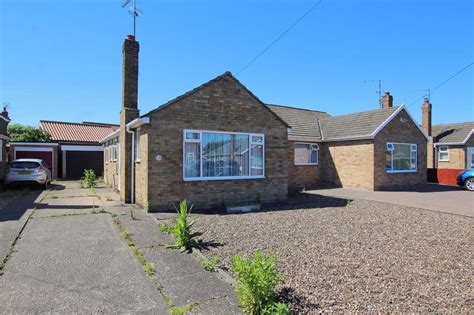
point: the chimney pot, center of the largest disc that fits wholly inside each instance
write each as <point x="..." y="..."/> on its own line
<point x="131" y="37"/>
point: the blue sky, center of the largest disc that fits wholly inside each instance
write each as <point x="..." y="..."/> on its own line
<point x="61" y="60"/>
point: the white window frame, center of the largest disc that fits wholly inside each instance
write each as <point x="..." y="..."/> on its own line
<point x="137" y="141"/>
<point x="443" y="149"/>
<point x="312" y="147"/>
<point x="415" y="151"/>
<point x="200" y="132"/>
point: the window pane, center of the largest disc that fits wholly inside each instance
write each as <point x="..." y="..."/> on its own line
<point x="401" y="157"/>
<point x="314" y="157"/>
<point x="443" y="156"/>
<point x="241" y="155"/>
<point x="192" y="158"/>
<point x="256" y="159"/>
<point x="192" y="135"/>
<point x="217" y="154"/>
<point x="302" y="154"/>
<point x="258" y="139"/>
<point x="388" y="165"/>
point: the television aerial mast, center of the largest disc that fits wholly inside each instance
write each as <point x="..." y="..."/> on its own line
<point x="133" y="10"/>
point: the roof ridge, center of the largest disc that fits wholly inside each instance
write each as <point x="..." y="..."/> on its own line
<point x="363" y="112"/>
<point x="297" y="108"/>
<point x="458" y="123"/>
<point x="78" y="123"/>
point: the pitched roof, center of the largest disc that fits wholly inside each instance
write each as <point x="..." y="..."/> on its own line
<point x="226" y="74"/>
<point x="452" y="133"/>
<point x="303" y="122"/>
<point x="77" y="132"/>
<point x="356" y="125"/>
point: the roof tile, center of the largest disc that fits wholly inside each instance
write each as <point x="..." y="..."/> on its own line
<point x="77" y="132"/>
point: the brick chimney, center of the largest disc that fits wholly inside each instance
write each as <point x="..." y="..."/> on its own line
<point x="426" y="117"/>
<point x="387" y="100"/>
<point x="5" y="113"/>
<point x="129" y="112"/>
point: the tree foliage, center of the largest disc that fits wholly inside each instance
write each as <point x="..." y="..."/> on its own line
<point x="19" y="132"/>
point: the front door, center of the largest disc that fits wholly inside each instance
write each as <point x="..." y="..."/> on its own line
<point x="470" y="157"/>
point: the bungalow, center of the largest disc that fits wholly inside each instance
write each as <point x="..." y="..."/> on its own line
<point x="73" y="147"/>
<point x="450" y="146"/>
<point x="218" y="144"/>
<point x="4" y="120"/>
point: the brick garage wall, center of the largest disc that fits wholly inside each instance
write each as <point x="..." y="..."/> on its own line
<point x="302" y="176"/>
<point x="223" y="105"/>
<point x="349" y="163"/>
<point x="430" y="153"/>
<point x="141" y="173"/>
<point x="403" y="130"/>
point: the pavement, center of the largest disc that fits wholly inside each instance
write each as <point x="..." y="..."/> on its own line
<point x="71" y="257"/>
<point x="449" y="199"/>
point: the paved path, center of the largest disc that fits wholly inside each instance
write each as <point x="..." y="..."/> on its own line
<point x="435" y="197"/>
<point x="15" y="206"/>
<point x="70" y="258"/>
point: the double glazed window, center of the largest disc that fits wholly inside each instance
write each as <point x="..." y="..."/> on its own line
<point x="306" y="154"/>
<point x="222" y="155"/>
<point x="401" y="157"/>
<point x="443" y="153"/>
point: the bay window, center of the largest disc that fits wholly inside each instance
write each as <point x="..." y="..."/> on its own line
<point x="222" y="155"/>
<point x="401" y="157"/>
<point x="306" y="154"/>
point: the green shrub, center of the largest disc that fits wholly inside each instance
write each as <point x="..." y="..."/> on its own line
<point x="211" y="264"/>
<point x="89" y="180"/>
<point x="181" y="229"/>
<point x="257" y="278"/>
<point x="277" y="308"/>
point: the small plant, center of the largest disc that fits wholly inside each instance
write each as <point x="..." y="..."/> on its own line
<point x="257" y="278"/>
<point x="181" y="229"/>
<point x="211" y="264"/>
<point x="89" y="180"/>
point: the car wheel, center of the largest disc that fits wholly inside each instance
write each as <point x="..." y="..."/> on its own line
<point x="469" y="184"/>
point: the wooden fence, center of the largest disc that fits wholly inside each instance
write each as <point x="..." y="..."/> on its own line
<point x="443" y="176"/>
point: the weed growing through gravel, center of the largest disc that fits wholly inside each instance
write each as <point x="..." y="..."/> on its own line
<point x="257" y="278"/>
<point x="211" y="264"/>
<point x="181" y="229"/>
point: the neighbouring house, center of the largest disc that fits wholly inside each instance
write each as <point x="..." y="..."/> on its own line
<point x="218" y="144"/>
<point x="73" y="147"/>
<point x="450" y="147"/>
<point x="4" y="120"/>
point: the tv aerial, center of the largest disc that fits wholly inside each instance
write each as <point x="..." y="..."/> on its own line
<point x="133" y="10"/>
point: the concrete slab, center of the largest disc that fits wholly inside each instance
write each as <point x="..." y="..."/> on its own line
<point x="435" y="197"/>
<point x="75" y="264"/>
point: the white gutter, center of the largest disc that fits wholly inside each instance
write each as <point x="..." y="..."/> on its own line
<point x="35" y="143"/>
<point x="136" y="123"/>
<point x="114" y="134"/>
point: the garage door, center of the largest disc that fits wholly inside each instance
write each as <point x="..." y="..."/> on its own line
<point x="78" y="161"/>
<point x="47" y="157"/>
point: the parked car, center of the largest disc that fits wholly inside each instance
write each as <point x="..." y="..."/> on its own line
<point x="28" y="171"/>
<point x="466" y="179"/>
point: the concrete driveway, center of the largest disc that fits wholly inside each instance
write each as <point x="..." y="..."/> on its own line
<point x="435" y="197"/>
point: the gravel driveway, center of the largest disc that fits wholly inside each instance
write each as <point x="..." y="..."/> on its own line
<point x="357" y="256"/>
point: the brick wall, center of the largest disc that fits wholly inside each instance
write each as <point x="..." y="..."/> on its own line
<point x="223" y="105"/>
<point x="457" y="158"/>
<point x="401" y="129"/>
<point x="349" y="163"/>
<point x="302" y="176"/>
<point x="141" y="170"/>
<point x="111" y="173"/>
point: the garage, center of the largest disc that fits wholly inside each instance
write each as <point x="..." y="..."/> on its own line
<point x="44" y="151"/>
<point x="76" y="160"/>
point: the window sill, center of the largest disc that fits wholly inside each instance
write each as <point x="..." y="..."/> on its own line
<point x="303" y="164"/>
<point x="395" y="172"/>
<point x="194" y="179"/>
<point x="443" y="160"/>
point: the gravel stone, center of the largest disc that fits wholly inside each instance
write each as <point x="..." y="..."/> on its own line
<point x="355" y="256"/>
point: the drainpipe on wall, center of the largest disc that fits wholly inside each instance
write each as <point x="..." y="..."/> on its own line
<point x="132" y="167"/>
